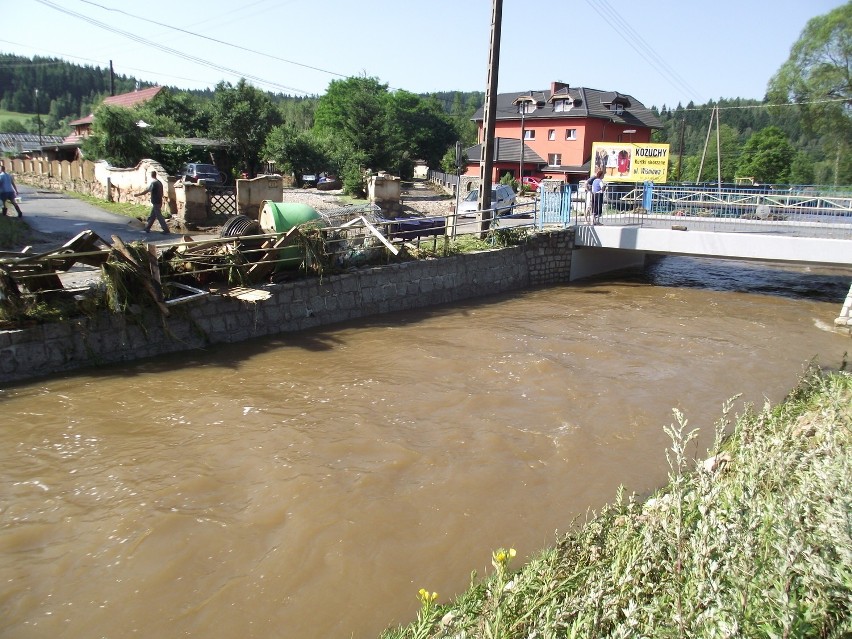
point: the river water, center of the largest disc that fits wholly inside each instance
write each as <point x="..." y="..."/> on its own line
<point x="310" y="485"/>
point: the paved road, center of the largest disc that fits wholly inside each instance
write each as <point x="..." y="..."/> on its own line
<point x="51" y="212"/>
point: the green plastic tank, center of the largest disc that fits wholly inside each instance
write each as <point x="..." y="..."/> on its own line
<point x="280" y="217"/>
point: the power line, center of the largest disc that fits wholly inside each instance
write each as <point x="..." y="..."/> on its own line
<point x="175" y="52"/>
<point x="216" y="40"/>
<point x="765" y="105"/>
<point x="638" y="44"/>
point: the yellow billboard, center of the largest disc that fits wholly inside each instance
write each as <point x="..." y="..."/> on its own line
<point x="626" y="162"/>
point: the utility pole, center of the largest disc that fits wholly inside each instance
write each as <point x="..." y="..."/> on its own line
<point x="111" y="79"/>
<point x="486" y="160"/>
<point x="38" y="119"/>
<point x="680" y="153"/>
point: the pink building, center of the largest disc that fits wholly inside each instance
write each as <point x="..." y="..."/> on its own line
<point x="558" y="128"/>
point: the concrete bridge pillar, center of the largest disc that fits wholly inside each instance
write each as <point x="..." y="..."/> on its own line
<point x="845" y="319"/>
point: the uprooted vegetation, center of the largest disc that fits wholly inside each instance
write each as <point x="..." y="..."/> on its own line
<point x="138" y="274"/>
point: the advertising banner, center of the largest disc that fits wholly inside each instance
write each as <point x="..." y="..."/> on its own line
<point x="625" y="162"/>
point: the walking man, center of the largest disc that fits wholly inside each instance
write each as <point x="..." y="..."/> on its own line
<point x="8" y="190"/>
<point x="155" y="188"/>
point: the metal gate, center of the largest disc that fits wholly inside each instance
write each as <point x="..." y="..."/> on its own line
<point x="221" y="200"/>
<point x="556" y="204"/>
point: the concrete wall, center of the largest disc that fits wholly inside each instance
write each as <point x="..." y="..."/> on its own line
<point x="252" y="193"/>
<point x="108" y="338"/>
<point x="190" y="202"/>
<point x="385" y="191"/>
<point x="97" y="179"/>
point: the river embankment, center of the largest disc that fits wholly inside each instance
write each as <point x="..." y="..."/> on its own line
<point x="752" y="541"/>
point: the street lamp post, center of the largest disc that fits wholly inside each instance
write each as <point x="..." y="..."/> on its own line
<point x="523" y="103"/>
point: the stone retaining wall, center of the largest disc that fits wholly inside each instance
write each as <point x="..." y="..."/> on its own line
<point x="108" y="338"/>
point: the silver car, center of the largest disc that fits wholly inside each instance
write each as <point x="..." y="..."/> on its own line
<point x="502" y="201"/>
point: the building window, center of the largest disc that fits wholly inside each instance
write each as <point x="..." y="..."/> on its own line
<point x="560" y="106"/>
<point x="529" y="134"/>
<point x="570" y="134"/>
<point x="618" y="108"/>
<point x="551" y="135"/>
<point x="554" y="159"/>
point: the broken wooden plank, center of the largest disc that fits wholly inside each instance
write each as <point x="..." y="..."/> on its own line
<point x="267" y="262"/>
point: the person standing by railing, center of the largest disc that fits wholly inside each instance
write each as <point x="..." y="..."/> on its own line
<point x="8" y="190"/>
<point x="598" y="187"/>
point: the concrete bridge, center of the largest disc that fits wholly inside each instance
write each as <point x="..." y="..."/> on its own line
<point x="737" y="224"/>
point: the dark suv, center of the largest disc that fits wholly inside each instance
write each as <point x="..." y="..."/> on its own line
<point x="196" y="171"/>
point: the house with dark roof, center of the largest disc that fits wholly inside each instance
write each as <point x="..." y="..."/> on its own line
<point x="558" y="127"/>
<point x="25" y="144"/>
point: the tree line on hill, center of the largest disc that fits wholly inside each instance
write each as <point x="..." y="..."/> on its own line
<point x="799" y="134"/>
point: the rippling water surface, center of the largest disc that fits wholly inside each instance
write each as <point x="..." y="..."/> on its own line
<point x="308" y="486"/>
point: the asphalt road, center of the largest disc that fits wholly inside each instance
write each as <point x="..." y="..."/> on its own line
<point x="65" y="217"/>
<point x="55" y="213"/>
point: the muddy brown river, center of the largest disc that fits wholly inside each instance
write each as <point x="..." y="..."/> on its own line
<point x="310" y="485"/>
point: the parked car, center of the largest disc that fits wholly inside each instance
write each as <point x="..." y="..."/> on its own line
<point x="531" y="183"/>
<point x="328" y="183"/>
<point x="195" y="171"/>
<point x="502" y="201"/>
<point x="309" y="179"/>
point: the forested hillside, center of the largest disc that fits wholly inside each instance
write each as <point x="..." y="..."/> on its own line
<point x="57" y="90"/>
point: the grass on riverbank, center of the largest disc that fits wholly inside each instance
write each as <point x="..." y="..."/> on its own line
<point x="128" y="209"/>
<point x="754" y="542"/>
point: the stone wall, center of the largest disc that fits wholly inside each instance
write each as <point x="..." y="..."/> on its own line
<point x="108" y="338"/>
<point x="97" y="179"/>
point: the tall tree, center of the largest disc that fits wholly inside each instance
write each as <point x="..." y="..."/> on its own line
<point x="818" y="76"/>
<point x="417" y="129"/>
<point x="293" y="151"/>
<point x="243" y="116"/>
<point x="354" y="111"/>
<point x="116" y="137"/>
<point x="767" y="156"/>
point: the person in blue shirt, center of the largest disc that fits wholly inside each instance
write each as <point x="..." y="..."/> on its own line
<point x="8" y="190"/>
<point x="598" y="196"/>
<point x="155" y="188"/>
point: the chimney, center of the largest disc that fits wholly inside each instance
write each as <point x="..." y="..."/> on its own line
<point x="557" y="86"/>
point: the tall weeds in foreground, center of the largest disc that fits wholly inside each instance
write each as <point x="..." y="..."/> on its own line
<point x="755" y="541"/>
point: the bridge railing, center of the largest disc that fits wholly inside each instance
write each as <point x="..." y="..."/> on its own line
<point x="802" y="212"/>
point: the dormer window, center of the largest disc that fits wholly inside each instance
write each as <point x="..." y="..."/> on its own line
<point x="618" y="108"/>
<point x="562" y="106"/>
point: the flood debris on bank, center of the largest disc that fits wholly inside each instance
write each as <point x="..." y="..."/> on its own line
<point x="137" y="274"/>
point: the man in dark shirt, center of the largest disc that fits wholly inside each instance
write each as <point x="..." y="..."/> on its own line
<point x="155" y="188"/>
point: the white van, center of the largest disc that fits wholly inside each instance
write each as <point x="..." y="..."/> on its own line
<point x="502" y="201"/>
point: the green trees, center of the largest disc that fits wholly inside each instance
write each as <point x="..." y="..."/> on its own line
<point x="296" y="152"/>
<point x="378" y="129"/>
<point x="116" y="137"/>
<point x="818" y="77"/>
<point x="243" y="116"/>
<point x="767" y="156"/>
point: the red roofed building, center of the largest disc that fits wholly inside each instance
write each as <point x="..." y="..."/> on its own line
<point x="133" y="98"/>
<point x="70" y="146"/>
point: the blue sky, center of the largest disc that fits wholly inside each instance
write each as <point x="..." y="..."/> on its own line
<point x="661" y="52"/>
